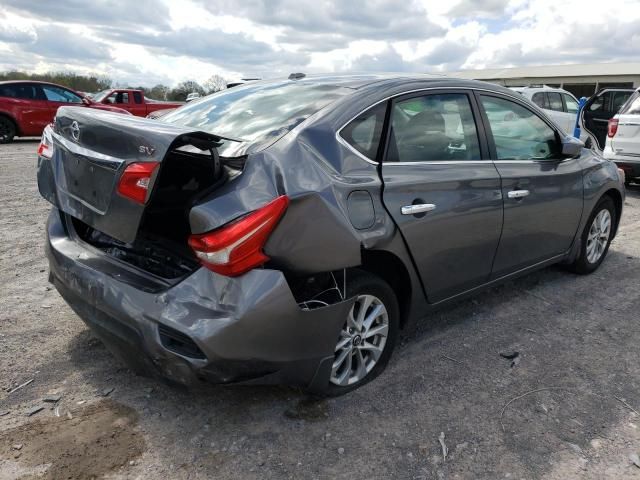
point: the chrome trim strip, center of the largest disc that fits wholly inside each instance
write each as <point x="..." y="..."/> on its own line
<point x="107" y="161"/>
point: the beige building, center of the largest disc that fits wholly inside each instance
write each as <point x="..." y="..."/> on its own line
<point x="581" y="80"/>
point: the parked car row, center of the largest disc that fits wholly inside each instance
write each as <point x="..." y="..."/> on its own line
<point x="284" y="232"/>
<point x="609" y="121"/>
<point x="26" y="107"/>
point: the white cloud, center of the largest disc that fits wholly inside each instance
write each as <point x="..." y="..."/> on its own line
<point x="170" y="41"/>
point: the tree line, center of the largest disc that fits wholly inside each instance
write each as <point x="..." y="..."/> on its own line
<point x="93" y="84"/>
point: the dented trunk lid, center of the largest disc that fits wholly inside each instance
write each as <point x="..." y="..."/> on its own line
<point x="91" y="149"/>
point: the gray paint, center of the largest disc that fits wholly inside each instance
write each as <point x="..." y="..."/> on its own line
<point x="341" y="205"/>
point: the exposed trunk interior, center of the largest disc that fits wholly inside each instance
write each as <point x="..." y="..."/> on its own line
<point x="160" y="248"/>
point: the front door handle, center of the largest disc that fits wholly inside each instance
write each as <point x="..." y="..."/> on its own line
<point x="518" y="193"/>
<point x="419" y="208"/>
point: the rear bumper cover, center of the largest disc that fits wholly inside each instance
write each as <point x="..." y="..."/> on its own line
<point x="249" y="329"/>
<point x="630" y="164"/>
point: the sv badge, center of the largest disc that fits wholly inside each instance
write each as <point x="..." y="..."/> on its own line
<point x="148" y="150"/>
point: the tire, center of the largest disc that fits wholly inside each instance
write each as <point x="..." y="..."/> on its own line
<point x="7" y="130"/>
<point x="372" y="293"/>
<point x="588" y="262"/>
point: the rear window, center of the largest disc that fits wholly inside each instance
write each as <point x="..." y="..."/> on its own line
<point x="632" y="107"/>
<point x="256" y="114"/>
<point x="23" y="91"/>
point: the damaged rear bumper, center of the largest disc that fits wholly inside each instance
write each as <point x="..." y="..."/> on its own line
<point x="206" y="327"/>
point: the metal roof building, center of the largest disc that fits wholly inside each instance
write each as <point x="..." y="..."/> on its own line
<point x="581" y="80"/>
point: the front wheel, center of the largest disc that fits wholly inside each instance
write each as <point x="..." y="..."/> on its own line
<point x="596" y="237"/>
<point x="368" y="335"/>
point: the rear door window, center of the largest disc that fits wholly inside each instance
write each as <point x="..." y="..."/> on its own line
<point x="518" y="133"/>
<point x="555" y="101"/>
<point x="364" y="132"/>
<point x="10" y="91"/>
<point x="432" y="128"/>
<point x="23" y="91"/>
<point x="540" y="99"/>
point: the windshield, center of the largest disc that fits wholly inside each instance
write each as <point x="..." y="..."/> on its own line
<point x="98" y="97"/>
<point x="256" y="114"/>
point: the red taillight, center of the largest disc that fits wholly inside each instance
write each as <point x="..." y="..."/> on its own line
<point x="237" y="247"/>
<point x="134" y="182"/>
<point x="45" y="149"/>
<point x="613" y="127"/>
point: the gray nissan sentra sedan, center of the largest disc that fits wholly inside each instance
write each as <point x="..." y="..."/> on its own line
<point x="286" y="230"/>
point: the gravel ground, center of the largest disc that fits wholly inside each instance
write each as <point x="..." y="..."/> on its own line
<point x="565" y="411"/>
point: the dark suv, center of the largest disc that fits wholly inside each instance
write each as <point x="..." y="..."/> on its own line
<point x="284" y="231"/>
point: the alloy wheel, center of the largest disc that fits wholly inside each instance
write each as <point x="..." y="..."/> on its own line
<point x="362" y="341"/>
<point x="598" y="236"/>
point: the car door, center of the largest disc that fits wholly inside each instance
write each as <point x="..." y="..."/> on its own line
<point x="137" y="104"/>
<point x="597" y="112"/>
<point x="558" y="113"/>
<point x="440" y="189"/>
<point x="541" y="190"/>
<point x="29" y="107"/>
<point x="118" y="98"/>
<point x="59" y="97"/>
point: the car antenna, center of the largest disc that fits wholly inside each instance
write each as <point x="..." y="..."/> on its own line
<point x="296" y="76"/>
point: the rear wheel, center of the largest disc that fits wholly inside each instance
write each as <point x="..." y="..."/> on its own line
<point x="7" y="130"/>
<point x="596" y="237"/>
<point x="368" y="335"/>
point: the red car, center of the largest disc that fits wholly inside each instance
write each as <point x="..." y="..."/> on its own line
<point x="26" y="107"/>
<point x="133" y="101"/>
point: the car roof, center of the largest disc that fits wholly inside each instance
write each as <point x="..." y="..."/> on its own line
<point x="358" y="81"/>
<point x="39" y="82"/>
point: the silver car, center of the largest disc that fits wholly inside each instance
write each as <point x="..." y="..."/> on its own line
<point x="285" y="231"/>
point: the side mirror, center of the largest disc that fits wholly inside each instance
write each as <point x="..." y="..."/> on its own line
<point x="86" y="101"/>
<point x="571" y="146"/>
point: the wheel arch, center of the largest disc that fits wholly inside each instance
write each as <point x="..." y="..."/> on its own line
<point x="391" y="269"/>
<point x="11" y="118"/>
<point x="616" y="196"/>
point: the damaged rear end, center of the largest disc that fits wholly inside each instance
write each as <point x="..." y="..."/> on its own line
<point x="128" y="252"/>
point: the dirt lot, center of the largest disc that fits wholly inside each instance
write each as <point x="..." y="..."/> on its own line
<point x="565" y="411"/>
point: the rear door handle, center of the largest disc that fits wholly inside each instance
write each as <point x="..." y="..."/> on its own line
<point x="420" y="208"/>
<point x="518" y="193"/>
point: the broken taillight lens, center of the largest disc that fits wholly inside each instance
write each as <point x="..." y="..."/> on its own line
<point x="135" y="180"/>
<point x="45" y="149"/>
<point x="237" y="247"/>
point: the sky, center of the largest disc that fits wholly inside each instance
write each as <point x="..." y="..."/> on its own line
<point x="145" y="42"/>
